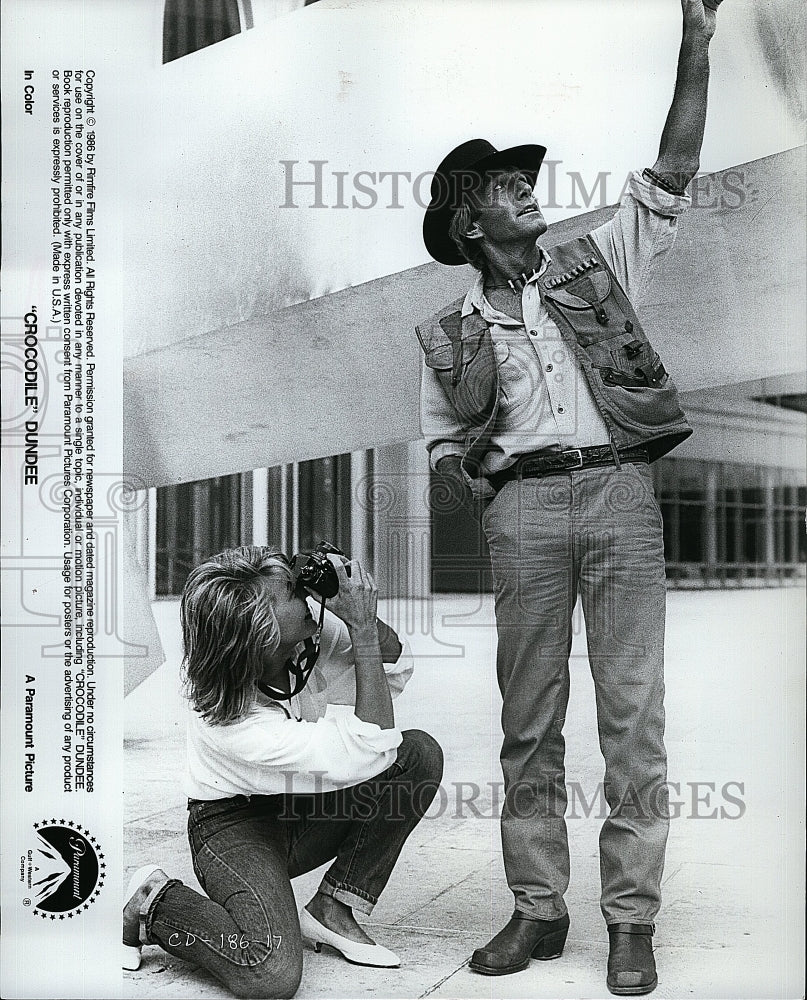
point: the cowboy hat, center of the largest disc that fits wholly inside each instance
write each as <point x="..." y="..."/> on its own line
<point x="461" y="171"/>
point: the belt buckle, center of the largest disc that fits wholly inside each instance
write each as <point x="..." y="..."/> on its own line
<point x="579" y="453"/>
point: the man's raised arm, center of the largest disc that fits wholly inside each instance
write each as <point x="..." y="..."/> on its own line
<point x="679" y="153"/>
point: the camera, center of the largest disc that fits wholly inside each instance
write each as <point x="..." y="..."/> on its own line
<point x="316" y="572"/>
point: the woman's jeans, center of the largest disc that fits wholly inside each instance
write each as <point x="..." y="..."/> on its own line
<point x="245" y="850"/>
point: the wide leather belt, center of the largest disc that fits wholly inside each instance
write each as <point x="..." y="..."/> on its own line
<point x="546" y="463"/>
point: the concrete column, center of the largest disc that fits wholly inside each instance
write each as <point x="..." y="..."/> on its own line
<point x="710" y="521"/>
<point x="243" y="507"/>
<point x="171" y="517"/>
<point x="151" y="559"/>
<point x="285" y="538"/>
<point x="294" y="475"/>
<point x="739" y="532"/>
<point x="795" y="526"/>
<point x="260" y="507"/>
<point x="199" y="512"/>
<point x="420" y="519"/>
<point x="139" y="557"/>
<point x="360" y="514"/>
<point x="674" y="529"/>
<point x="402" y="522"/>
<point x="387" y="502"/>
<point x="136" y="525"/>
<point x="245" y="16"/>
<point x="769" y="528"/>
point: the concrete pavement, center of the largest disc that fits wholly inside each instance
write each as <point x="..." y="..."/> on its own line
<point x="732" y="924"/>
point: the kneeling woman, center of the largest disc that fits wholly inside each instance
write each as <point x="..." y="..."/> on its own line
<point x="277" y="787"/>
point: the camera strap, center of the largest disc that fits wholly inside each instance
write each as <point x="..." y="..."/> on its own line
<point x="300" y="669"/>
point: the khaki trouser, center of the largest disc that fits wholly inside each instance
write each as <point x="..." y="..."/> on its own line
<point x="597" y="532"/>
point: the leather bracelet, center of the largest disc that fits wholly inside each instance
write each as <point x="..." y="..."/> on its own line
<point x="660" y="182"/>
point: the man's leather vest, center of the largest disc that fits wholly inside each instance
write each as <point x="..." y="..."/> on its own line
<point x="637" y="398"/>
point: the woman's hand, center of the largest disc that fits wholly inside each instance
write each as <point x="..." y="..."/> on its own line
<point x="357" y="601"/>
<point x="356" y="604"/>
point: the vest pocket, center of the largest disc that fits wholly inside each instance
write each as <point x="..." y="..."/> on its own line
<point x="598" y="290"/>
<point x="645" y="407"/>
<point x="625" y="369"/>
<point x="471" y="386"/>
<point x="628" y="362"/>
<point x="583" y="301"/>
<point x="633" y="380"/>
<point x="440" y="358"/>
<point x="639" y="406"/>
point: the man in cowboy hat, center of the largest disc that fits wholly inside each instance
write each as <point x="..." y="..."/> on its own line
<point x="543" y="404"/>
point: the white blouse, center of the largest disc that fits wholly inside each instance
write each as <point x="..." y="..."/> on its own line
<point x="265" y="752"/>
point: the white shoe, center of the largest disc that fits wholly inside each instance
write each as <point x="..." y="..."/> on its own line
<point x="130" y="956"/>
<point x="354" y="951"/>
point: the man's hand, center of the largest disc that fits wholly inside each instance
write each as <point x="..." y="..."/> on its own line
<point x="701" y="16"/>
<point x="680" y="148"/>
<point x="461" y="497"/>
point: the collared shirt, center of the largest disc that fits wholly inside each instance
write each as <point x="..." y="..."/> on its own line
<point x="309" y="747"/>
<point x="545" y="400"/>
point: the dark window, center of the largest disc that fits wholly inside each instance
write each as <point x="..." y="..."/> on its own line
<point x="460" y="563"/>
<point x="307" y="503"/>
<point x="324" y="502"/>
<point x="194" y="521"/>
<point x="725" y="525"/>
<point x="190" y="25"/>
<point x="730" y="525"/>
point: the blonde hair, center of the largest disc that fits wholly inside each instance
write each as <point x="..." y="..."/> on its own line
<point x="229" y="629"/>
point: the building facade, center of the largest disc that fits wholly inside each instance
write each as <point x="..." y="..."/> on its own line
<point x="733" y="499"/>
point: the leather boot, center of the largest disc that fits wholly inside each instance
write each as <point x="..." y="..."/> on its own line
<point x="521" y="938"/>
<point x="631" y="966"/>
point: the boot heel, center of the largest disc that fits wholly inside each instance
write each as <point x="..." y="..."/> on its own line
<point x="550" y="946"/>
